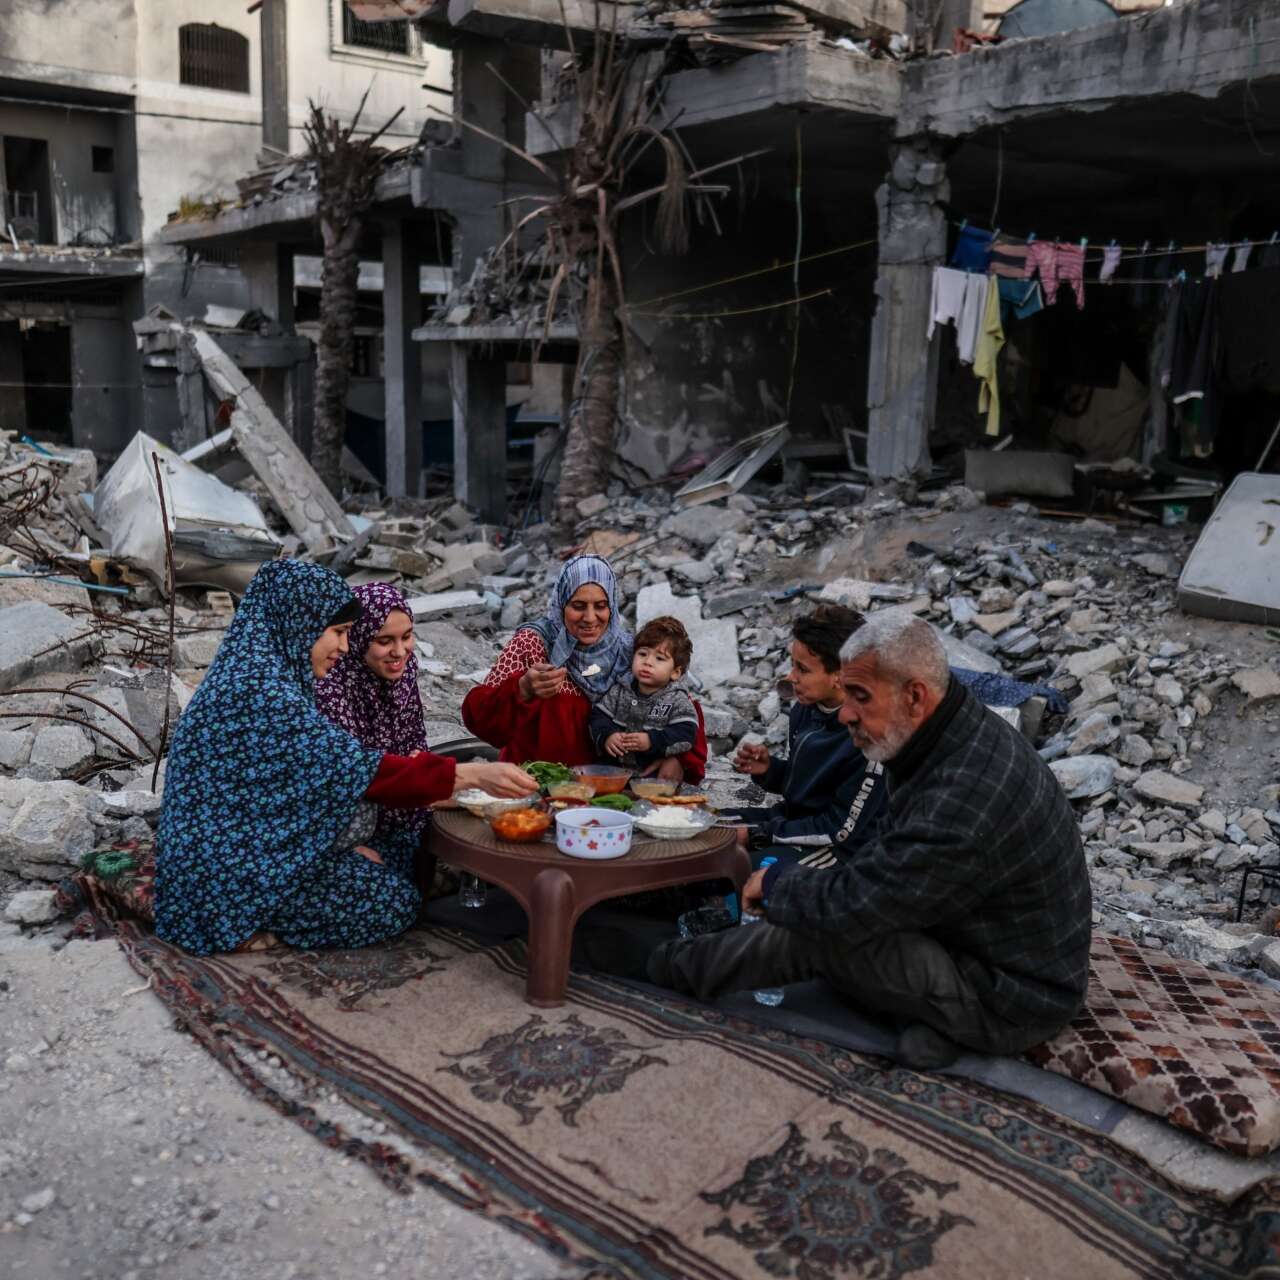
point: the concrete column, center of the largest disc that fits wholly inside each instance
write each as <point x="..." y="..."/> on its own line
<point x="479" y="388"/>
<point x="903" y="377"/>
<point x="268" y="270"/>
<point x="275" y="75"/>
<point x="401" y="365"/>
<point x="934" y="22"/>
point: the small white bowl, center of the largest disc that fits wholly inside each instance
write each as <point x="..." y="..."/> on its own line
<point x="593" y="833"/>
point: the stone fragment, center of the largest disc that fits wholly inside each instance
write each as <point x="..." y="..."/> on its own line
<point x="35" y="637"/>
<point x="57" y="594"/>
<point x="1231" y="859"/>
<point x="703" y="526"/>
<point x="1163" y="854"/>
<point x="1058" y="588"/>
<point x="1213" y="821"/>
<point x="1084" y="776"/>
<point x="962" y="654"/>
<point x="1095" y="732"/>
<point x="715" y="640"/>
<point x="994" y="623"/>
<point x="1107" y="657"/>
<point x="851" y="592"/>
<point x="698" y="572"/>
<point x="32" y="906"/>
<point x="130" y="803"/>
<point x="776" y="733"/>
<point x="1157" y="564"/>
<point x="1268" y="959"/>
<point x="45" y="827"/>
<point x="1258" y="684"/>
<point x="1199" y="940"/>
<point x="996" y="600"/>
<point x="38" y="1201"/>
<point x="769" y="707"/>
<point x="962" y="609"/>
<point x="1164" y="788"/>
<point x="512" y="615"/>
<point x="1169" y="691"/>
<point x="592" y="506"/>
<point x="717" y="721"/>
<point x="734" y="600"/>
<point x="1095" y="688"/>
<point x="15" y="747"/>
<point x="63" y="747"/>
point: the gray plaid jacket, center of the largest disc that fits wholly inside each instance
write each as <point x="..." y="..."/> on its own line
<point x="980" y="849"/>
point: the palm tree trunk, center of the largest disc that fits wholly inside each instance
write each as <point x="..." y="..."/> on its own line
<point x="338" y="282"/>
<point x="593" y="417"/>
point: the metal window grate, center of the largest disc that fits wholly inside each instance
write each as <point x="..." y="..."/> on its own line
<point x="386" y="37"/>
<point x="213" y="57"/>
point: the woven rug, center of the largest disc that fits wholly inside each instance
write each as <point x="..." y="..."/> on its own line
<point x="1192" y="1045"/>
<point x="643" y="1136"/>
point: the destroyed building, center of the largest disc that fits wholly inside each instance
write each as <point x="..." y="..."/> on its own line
<point x="112" y="116"/>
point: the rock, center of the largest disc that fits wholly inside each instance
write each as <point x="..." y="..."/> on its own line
<point x="1258" y="684"/>
<point x="1162" y="854"/>
<point x="31" y="906"/>
<point x="197" y="650"/>
<point x="1084" y="776"/>
<point x="1095" y="688"/>
<point x="1160" y="566"/>
<point x="698" y="572"/>
<point x="776" y="733"/>
<point x="1164" y="788"/>
<point x="717" y="722"/>
<point x="45" y="827"/>
<point x="1268" y="959"/>
<point x="1135" y="750"/>
<point x="715" y="641"/>
<point x="512" y="615"/>
<point x="996" y="600"/>
<point x="592" y="506"/>
<point x="770" y="705"/>
<point x="854" y="593"/>
<point x="130" y="803"/>
<point x="35" y="637"/>
<point x="994" y="623"/>
<point x="1214" y="822"/>
<point x="733" y="601"/>
<point x="1107" y="657"/>
<point x="703" y="526"/>
<point x="962" y="609"/>
<point x="960" y="654"/>
<point x="454" y="605"/>
<point x="1199" y="940"/>
<point x="15" y="747"/>
<point x="1095" y="731"/>
<point x="1231" y="860"/>
<point x="1169" y="691"/>
<point x="39" y="1201"/>
<point x="63" y="747"/>
<point x="1058" y="588"/>
<point x="57" y="594"/>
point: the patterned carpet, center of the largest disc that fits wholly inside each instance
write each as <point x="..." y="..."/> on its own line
<point x="647" y="1137"/>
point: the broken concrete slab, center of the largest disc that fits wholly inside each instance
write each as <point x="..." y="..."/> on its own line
<point x="1082" y="777"/>
<point x="46" y="828"/>
<point x="1164" y="788"/>
<point x="63" y="747"/>
<point x="995" y="623"/>
<point x="35" y="637"/>
<point x="15" y="747"/>
<point x="715" y="641"/>
<point x="853" y="593"/>
<point x="58" y="592"/>
<point x="1258" y="684"/>
<point x="32" y="906"/>
<point x="704" y="526"/>
<point x="448" y="604"/>
<point x="198" y="650"/>
<point x="735" y="600"/>
<point x="1108" y="657"/>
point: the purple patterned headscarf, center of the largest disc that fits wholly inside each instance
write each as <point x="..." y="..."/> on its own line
<point x="383" y="714"/>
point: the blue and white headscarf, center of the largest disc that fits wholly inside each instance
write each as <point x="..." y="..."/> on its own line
<point x="611" y="653"/>
<point x="259" y="785"/>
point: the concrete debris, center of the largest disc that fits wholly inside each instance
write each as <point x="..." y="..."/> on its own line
<point x="1166" y="789"/>
<point x="45" y="827"/>
<point x="1083" y="777"/>
<point x="32" y="906"/>
<point x="1258" y="684"/>
<point x="36" y="637"/>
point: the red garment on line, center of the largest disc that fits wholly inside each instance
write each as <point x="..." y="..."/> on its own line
<point x="412" y="782"/>
<point x="545" y="728"/>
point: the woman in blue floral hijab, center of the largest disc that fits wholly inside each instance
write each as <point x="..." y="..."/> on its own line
<point x="263" y="821"/>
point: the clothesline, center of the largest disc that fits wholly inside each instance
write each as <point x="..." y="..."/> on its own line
<point x="1148" y="249"/>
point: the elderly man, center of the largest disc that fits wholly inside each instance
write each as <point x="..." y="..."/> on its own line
<point x="967" y="919"/>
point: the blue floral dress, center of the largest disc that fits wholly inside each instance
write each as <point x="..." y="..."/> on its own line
<point x="262" y="792"/>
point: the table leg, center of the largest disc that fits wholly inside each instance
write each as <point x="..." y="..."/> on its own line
<point x="551" y="917"/>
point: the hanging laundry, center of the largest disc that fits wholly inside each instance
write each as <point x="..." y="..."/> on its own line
<point x="1158" y="270"/>
<point x="1042" y="256"/>
<point x="1009" y="258"/>
<point x="1240" y="259"/>
<point x="1071" y="270"/>
<point x="1215" y="256"/>
<point x="1193" y="377"/>
<point x="973" y="250"/>
<point x="1110" y="261"/>
<point x="972" y="310"/>
<point x="1270" y="259"/>
<point x="948" y="297"/>
<point x="986" y="358"/>
<point x="1018" y="298"/>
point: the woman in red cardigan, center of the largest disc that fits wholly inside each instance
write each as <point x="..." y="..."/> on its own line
<point x="535" y="702"/>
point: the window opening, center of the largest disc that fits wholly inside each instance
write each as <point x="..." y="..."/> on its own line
<point x="28" y="197"/>
<point x="213" y="57"/>
<point x="386" y="37"/>
<point x="104" y="159"/>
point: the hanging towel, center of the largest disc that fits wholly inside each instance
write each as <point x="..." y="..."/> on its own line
<point x="1240" y="259"/>
<point x="1215" y="256"/>
<point x="973" y="250"/>
<point x="1009" y="259"/>
<point x="1018" y="298"/>
<point x="971" y="313"/>
<point x="948" y="297"/>
<point x="1071" y="270"/>
<point x="986" y="359"/>
<point x="1110" y="261"/>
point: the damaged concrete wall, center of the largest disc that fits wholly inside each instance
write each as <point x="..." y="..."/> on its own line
<point x="104" y="402"/>
<point x="88" y="44"/>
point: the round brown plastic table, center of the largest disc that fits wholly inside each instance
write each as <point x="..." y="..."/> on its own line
<point x="555" y="890"/>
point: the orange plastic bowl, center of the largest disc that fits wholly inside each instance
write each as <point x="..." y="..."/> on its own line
<point x="603" y="779"/>
<point x="521" y="826"/>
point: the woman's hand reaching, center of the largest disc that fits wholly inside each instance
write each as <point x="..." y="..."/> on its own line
<point x="507" y="781"/>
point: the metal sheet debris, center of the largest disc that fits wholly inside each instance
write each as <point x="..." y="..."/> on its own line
<point x="734" y="468"/>
<point x="1233" y="571"/>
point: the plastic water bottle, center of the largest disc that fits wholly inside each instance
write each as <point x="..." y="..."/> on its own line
<point x="472" y="891"/>
<point x="771" y="996"/>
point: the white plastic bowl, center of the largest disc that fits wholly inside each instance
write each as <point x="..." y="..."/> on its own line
<point x="593" y="833"/>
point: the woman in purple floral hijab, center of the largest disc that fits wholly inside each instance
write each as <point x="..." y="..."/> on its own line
<point x="373" y="691"/>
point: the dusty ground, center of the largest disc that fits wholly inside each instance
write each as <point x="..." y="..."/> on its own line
<point x="161" y="1165"/>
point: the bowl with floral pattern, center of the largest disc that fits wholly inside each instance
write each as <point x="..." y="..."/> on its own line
<point x="593" y="833"/>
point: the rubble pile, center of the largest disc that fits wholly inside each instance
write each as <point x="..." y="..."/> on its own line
<point x="1156" y="710"/>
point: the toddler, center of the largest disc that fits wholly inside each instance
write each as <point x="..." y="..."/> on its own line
<point x="649" y="716"/>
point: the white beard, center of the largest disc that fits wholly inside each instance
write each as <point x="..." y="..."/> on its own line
<point x="895" y="738"/>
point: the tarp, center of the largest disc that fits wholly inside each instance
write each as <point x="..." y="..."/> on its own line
<point x="219" y="534"/>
